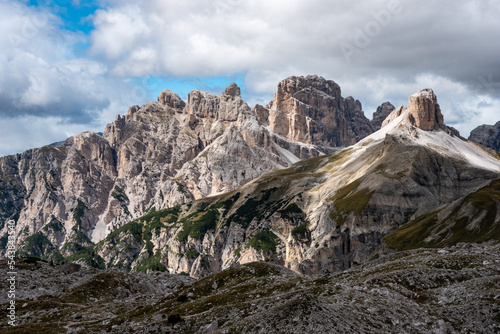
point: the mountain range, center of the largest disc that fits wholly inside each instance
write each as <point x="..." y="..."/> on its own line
<point x="207" y="215"/>
<point x="307" y="182"/>
<point x="170" y="152"/>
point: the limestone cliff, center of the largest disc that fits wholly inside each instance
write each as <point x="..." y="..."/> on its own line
<point x="311" y="109"/>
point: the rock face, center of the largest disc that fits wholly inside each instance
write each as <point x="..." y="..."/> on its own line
<point x="487" y="135"/>
<point x="166" y="153"/>
<point x="381" y="114"/>
<point x="311" y="110"/>
<point x="424" y="110"/>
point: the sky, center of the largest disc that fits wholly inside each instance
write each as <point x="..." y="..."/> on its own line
<point x="68" y="66"/>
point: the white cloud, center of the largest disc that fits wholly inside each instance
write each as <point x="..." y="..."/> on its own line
<point x="31" y="131"/>
<point x="398" y="48"/>
<point x="398" y="44"/>
<point x="43" y="80"/>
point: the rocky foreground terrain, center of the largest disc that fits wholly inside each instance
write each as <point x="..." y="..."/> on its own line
<point x="447" y="290"/>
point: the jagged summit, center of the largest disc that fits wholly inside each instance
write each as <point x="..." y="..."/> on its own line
<point x="422" y="111"/>
<point x="231" y="92"/>
<point x="311" y="109"/>
<point x="302" y="89"/>
<point x="421" y="123"/>
<point x="381" y="114"/>
<point x="171" y="99"/>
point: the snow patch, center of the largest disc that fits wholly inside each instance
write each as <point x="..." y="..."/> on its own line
<point x="455" y="147"/>
<point x="100" y="231"/>
<point x="437" y="140"/>
<point x="287" y="154"/>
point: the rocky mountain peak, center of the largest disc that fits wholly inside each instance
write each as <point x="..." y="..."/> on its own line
<point x="424" y="110"/>
<point x="232" y="91"/>
<point x="304" y="89"/>
<point x="384" y="110"/>
<point x="169" y="98"/>
<point x="487" y="135"/>
<point x="311" y="110"/>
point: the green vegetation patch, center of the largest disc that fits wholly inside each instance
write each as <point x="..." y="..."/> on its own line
<point x="198" y="224"/>
<point x="266" y="241"/>
<point x="149" y="247"/>
<point x="237" y="252"/>
<point x="79" y="211"/>
<point x="181" y="188"/>
<point x="119" y="195"/>
<point x="134" y="228"/>
<point x="348" y="199"/>
<point x="192" y="254"/>
<point x="81" y="238"/>
<point x="257" y="207"/>
<point x="88" y="256"/>
<point x="205" y="218"/>
<point x="412" y="235"/>
<point x="292" y="212"/>
<point x="54" y="226"/>
<point x="36" y="245"/>
<point x="158" y="218"/>
<point x="300" y="231"/>
<point x="152" y="263"/>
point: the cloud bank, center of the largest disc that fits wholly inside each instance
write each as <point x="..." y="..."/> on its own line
<point x="376" y="50"/>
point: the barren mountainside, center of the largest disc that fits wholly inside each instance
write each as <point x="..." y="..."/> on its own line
<point x="167" y="153"/>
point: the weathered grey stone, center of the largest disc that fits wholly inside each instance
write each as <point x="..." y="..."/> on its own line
<point x="487" y="135"/>
<point x="384" y="110"/>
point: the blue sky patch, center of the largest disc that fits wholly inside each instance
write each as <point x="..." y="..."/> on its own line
<point x="75" y="15"/>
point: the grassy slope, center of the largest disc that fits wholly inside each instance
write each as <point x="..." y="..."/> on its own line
<point x="428" y="231"/>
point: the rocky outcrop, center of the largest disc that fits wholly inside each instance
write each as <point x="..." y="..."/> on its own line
<point x="170" y="99"/>
<point x="487" y="135"/>
<point x="384" y="110"/>
<point x="424" y="110"/>
<point x="311" y="110"/>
